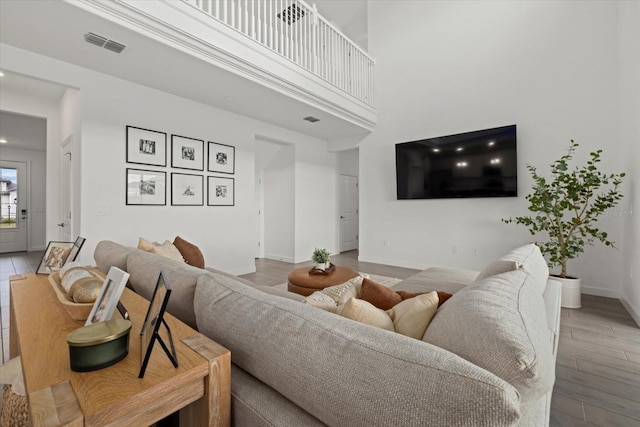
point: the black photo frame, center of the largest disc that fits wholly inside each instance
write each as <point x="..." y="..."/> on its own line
<point x="187" y="189"/>
<point x="149" y="333"/>
<point x="187" y="153"/>
<point x="146" y="146"/>
<point x="54" y="257"/>
<point x="221" y="191"/>
<point x="75" y="250"/>
<point x="222" y="158"/>
<point x="146" y="187"/>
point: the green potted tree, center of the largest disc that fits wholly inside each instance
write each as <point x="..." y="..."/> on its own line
<point x="567" y="207"/>
<point x="321" y="258"/>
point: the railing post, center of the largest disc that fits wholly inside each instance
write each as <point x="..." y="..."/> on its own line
<point x="314" y="38"/>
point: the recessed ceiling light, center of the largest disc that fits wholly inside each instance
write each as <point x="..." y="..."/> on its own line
<point x="1" y="74"/>
<point x="229" y="98"/>
<point x="491" y="143"/>
<point x="3" y="141"/>
<point x="436" y="150"/>
<point x="459" y="149"/>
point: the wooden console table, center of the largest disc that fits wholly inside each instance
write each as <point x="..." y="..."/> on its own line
<point x="200" y="387"/>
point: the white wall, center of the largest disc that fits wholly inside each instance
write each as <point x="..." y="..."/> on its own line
<point x="450" y="67"/>
<point x="629" y="212"/>
<point x="279" y="205"/>
<point x="36" y="207"/>
<point x="105" y="106"/>
<point x="17" y="103"/>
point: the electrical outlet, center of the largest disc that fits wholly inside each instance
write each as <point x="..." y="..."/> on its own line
<point x="102" y="210"/>
<point x="454" y="250"/>
<point x="474" y="251"/>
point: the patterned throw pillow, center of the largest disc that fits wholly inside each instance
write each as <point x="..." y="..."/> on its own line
<point x="168" y="249"/>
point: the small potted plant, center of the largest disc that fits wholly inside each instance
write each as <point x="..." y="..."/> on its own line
<point x="321" y="258"/>
<point x="567" y="207"/>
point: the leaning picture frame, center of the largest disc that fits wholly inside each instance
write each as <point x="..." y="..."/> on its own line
<point x="75" y="250"/>
<point x="187" y="153"/>
<point x="222" y="158"/>
<point x="146" y="146"/>
<point x="149" y="333"/>
<point x="108" y="297"/>
<point x="146" y="187"/>
<point x="54" y="257"/>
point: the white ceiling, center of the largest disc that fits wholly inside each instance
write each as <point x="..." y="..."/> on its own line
<point x="56" y="29"/>
<point x="24" y="132"/>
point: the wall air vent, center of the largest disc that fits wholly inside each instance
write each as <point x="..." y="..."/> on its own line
<point x="291" y="14"/>
<point x="104" y="42"/>
<point x="311" y="119"/>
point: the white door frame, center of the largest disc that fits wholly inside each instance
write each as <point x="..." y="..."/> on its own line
<point x="355" y="216"/>
<point x="65" y="219"/>
<point x="259" y="207"/>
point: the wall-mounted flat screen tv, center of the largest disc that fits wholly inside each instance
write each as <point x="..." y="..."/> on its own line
<point x="472" y="164"/>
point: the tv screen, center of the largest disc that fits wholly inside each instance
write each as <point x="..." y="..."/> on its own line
<point x="473" y="164"/>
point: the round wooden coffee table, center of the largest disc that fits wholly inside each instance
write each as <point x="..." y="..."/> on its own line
<point x="303" y="283"/>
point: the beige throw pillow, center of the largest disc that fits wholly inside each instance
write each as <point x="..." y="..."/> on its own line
<point x="168" y="249"/>
<point x="364" y="312"/>
<point x="411" y="317"/>
<point x="146" y="245"/>
<point x="322" y="301"/>
<point x="344" y="292"/>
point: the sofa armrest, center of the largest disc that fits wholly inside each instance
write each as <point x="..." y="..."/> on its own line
<point x="437" y="279"/>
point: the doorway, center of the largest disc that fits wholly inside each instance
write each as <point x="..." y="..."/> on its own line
<point x="13" y="206"/>
<point x="348" y="213"/>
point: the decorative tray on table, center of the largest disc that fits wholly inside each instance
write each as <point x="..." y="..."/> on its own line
<point x="325" y="272"/>
<point x="77" y="311"/>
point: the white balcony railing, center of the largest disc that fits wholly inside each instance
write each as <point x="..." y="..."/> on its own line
<point x="299" y="33"/>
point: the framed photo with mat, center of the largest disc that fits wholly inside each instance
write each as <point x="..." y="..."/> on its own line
<point x="75" y="250"/>
<point x="151" y="326"/>
<point x="109" y="296"/>
<point x="54" y="257"/>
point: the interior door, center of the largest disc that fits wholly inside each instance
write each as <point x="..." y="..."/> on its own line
<point x="259" y="208"/>
<point x="66" y="192"/>
<point x="348" y="213"/>
<point x="13" y="206"/>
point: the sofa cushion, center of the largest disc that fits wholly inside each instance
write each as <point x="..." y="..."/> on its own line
<point x="111" y="254"/>
<point x="190" y="252"/>
<point x="437" y="279"/>
<point x="527" y="257"/>
<point x="381" y="378"/>
<point x="500" y="324"/>
<point x="144" y="269"/>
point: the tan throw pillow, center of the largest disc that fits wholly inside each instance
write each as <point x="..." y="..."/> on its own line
<point x="190" y="252"/>
<point x="365" y="312"/>
<point x="168" y="249"/>
<point x="412" y="316"/>
<point x="379" y="295"/>
<point x="322" y="301"/>
<point x="342" y="293"/>
<point x="146" y="245"/>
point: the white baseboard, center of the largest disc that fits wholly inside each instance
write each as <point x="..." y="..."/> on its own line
<point x="392" y="262"/>
<point x="632" y="312"/>
<point x="277" y="257"/>
<point x="599" y="292"/>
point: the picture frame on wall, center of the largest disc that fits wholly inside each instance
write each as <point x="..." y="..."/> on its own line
<point x="146" y="187"/>
<point x="187" y="189"/>
<point x="54" y="257"/>
<point x="222" y="158"/>
<point x="146" y="146"/>
<point x="187" y="153"/>
<point x="221" y="191"/>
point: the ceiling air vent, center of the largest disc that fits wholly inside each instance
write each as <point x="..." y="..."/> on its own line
<point x="291" y="14"/>
<point x="95" y="39"/>
<point x="114" y="46"/>
<point x="311" y="119"/>
<point x="104" y="42"/>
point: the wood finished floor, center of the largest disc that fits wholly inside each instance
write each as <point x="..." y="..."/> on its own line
<point x="598" y="365"/>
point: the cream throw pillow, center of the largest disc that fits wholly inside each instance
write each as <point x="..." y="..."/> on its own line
<point x="168" y="249"/>
<point x="364" y="312"/>
<point x="411" y="317"/>
<point x="146" y="245"/>
<point x="344" y="292"/>
<point x="322" y="301"/>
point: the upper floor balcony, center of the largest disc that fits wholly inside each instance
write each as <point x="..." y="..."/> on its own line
<point x="278" y="61"/>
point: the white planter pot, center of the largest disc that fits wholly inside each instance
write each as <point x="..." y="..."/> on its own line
<point x="320" y="266"/>
<point x="570" y="292"/>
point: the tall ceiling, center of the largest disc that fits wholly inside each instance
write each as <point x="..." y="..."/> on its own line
<point x="61" y="26"/>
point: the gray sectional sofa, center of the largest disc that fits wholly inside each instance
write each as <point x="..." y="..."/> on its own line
<point x="487" y="358"/>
